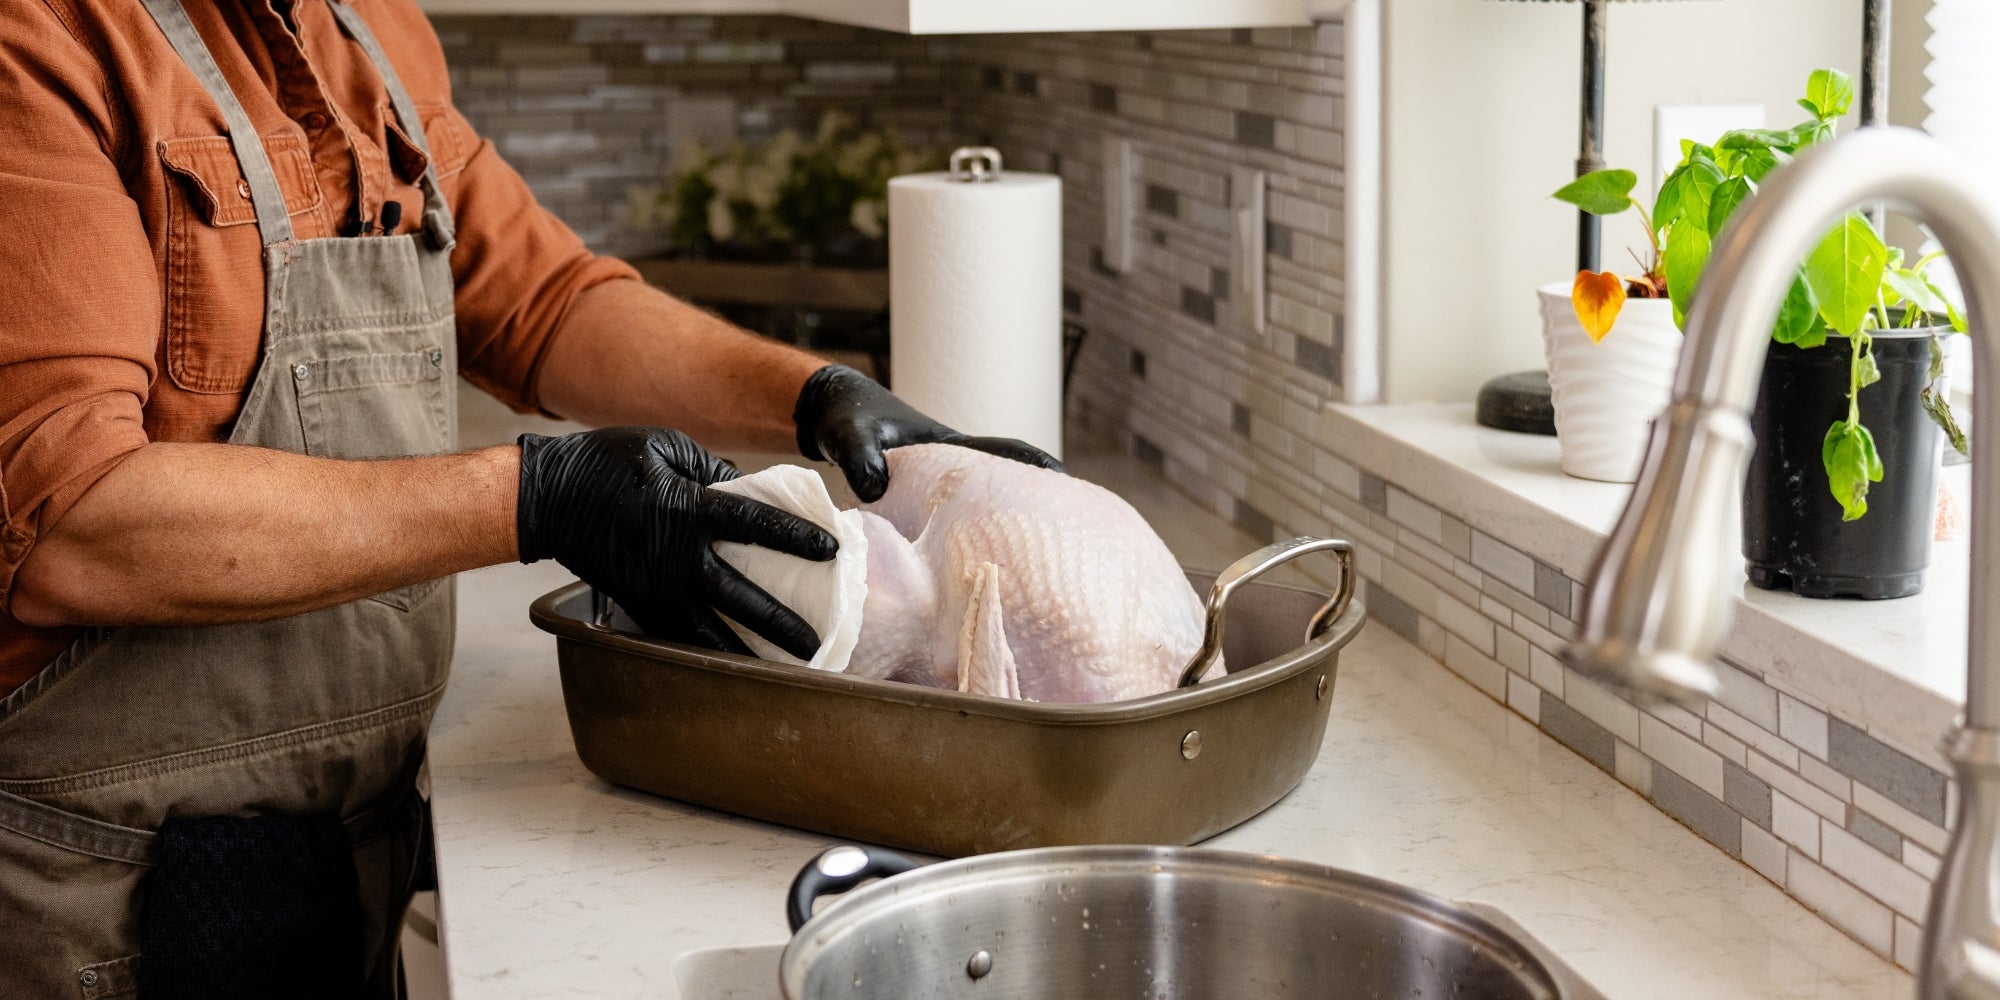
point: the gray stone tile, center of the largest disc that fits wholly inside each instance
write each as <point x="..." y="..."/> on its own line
<point x="1218" y="283"/>
<point x="1747" y="794"/>
<point x="1103" y="98"/>
<point x="1875" y="833"/>
<point x="1138" y="363"/>
<point x="1149" y="453"/>
<point x="1317" y="358"/>
<point x="1254" y="522"/>
<point x="1374" y="494"/>
<point x="1552" y="588"/>
<point x="1256" y="130"/>
<point x="1391" y="611"/>
<point x="1457" y="538"/>
<point x="1277" y="240"/>
<point x="1239" y="419"/>
<point x="1072" y="300"/>
<point x="1163" y="201"/>
<point x="1900" y="778"/>
<point x="1703" y="813"/>
<point x="1569" y="727"/>
<point x="1198" y="304"/>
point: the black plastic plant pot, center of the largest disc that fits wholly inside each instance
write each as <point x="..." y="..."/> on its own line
<point x="1793" y="537"/>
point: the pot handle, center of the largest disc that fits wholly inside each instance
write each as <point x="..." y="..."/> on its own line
<point x="836" y="870"/>
<point x="1256" y="564"/>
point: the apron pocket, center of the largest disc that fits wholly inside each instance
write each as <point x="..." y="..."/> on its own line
<point x="376" y="406"/>
<point x="108" y="980"/>
<point x="373" y="405"/>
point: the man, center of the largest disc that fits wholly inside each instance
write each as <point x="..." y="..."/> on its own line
<point x="251" y="241"/>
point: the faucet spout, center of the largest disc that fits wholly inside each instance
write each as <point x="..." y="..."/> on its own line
<point x="1658" y="608"/>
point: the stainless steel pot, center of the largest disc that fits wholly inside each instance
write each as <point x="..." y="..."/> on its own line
<point x="1144" y="923"/>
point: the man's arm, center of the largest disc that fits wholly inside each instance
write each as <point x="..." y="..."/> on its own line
<point x="208" y="533"/>
<point x="628" y="353"/>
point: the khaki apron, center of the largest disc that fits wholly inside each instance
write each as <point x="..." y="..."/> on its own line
<point x="324" y="711"/>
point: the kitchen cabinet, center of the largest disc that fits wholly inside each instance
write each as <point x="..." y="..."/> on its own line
<point x="940" y="17"/>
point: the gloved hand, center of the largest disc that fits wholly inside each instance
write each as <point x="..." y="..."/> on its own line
<point x="628" y="510"/>
<point x="849" y="419"/>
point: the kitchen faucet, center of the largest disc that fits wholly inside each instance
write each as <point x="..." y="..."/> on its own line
<point x="1658" y="604"/>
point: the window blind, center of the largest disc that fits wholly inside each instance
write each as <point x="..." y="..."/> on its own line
<point x="1964" y="78"/>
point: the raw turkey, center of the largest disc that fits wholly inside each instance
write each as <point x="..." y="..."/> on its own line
<point x="994" y="577"/>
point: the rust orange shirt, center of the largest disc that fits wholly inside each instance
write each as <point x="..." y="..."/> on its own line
<point x="131" y="280"/>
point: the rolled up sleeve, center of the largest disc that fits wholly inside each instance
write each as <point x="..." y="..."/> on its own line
<point x="518" y="269"/>
<point x="80" y="317"/>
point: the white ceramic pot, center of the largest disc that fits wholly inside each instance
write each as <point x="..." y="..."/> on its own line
<point x="1606" y="394"/>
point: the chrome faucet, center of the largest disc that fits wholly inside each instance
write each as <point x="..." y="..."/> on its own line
<point x="1658" y="604"/>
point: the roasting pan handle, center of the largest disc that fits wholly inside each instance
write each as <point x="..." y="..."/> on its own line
<point x="1256" y="564"/>
<point x="837" y="870"/>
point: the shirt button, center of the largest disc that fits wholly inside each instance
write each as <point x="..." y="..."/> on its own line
<point x="313" y="120"/>
<point x="301" y="372"/>
<point x="243" y="187"/>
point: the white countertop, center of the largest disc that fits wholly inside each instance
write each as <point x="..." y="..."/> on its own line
<point x="1896" y="668"/>
<point x="556" y="884"/>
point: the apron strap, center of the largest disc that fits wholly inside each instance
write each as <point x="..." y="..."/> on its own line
<point x="274" y="220"/>
<point x="437" y="215"/>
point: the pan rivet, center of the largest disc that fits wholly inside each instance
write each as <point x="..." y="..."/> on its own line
<point x="979" y="964"/>
<point x="1319" y="690"/>
<point x="1191" y="744"/>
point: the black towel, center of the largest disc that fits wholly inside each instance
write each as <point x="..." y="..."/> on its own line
<point x="251" y="907"/>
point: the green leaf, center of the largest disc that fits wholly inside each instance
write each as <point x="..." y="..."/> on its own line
<point x="1687" y="190"/>
<point x="1799" y="316"/>
<point x="1940" y="413"/>
<point x="1755" y="163"/>
<point x="1851" y="462"/>
<point x="1845" y="271"/>
<point x="1937" y="362"/>
<point x="1752" y="139"/>
<point x="1723" y="201"/>
<point x="1816" y="336"/>
<point x="1686" y="253"/>
<point x="1810" y="133"/>
<point x="1868" y="372"/>
<point x="1600" y="192"/>
<point x="1910" y="287"/>
<point x="1952" y="315"/>
<point x="1829" y="93"/>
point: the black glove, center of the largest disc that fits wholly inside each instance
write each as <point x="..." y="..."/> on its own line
<point x="847" y="418"/>
<point x="628" y="510"/>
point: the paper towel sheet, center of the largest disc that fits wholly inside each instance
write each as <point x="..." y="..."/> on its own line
<point x="828" y="595"/>
<point x="975" y="302"/>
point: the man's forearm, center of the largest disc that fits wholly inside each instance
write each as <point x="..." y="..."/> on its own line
<point x="630" y="354"/>
<point x="180" y="534"/>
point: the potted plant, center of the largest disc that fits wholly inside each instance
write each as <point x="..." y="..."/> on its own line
<point x="1854" y="319"/>
<point x="822" y="198"/>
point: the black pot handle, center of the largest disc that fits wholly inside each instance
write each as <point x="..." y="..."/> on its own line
<point x="836" y="870"/>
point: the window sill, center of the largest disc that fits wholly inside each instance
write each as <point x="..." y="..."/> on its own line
<point x="1896" y="668"/>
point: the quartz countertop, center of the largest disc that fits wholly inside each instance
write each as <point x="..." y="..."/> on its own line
<point x="554" y="883"/>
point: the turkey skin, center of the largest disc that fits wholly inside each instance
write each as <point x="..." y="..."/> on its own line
<point x="998" y="578"/>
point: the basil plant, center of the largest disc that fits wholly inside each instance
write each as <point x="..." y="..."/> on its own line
<point x="1845" y="287"/>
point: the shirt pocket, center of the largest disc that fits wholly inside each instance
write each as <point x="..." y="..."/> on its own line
<point x="215" y="257"/>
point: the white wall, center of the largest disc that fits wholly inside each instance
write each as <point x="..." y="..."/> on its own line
<point x="1480" y="124"/>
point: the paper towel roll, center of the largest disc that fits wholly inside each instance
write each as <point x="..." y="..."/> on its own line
<point x="975" y="302"/>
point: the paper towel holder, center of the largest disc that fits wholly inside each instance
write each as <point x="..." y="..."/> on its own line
<point x="975" y="164"/>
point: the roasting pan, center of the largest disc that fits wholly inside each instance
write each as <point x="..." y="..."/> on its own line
<point x="954" y="774"/>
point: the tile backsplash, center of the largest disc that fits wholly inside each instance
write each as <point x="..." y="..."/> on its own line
<point x="588" y="108"/>
<point x="1172" y="366"/>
